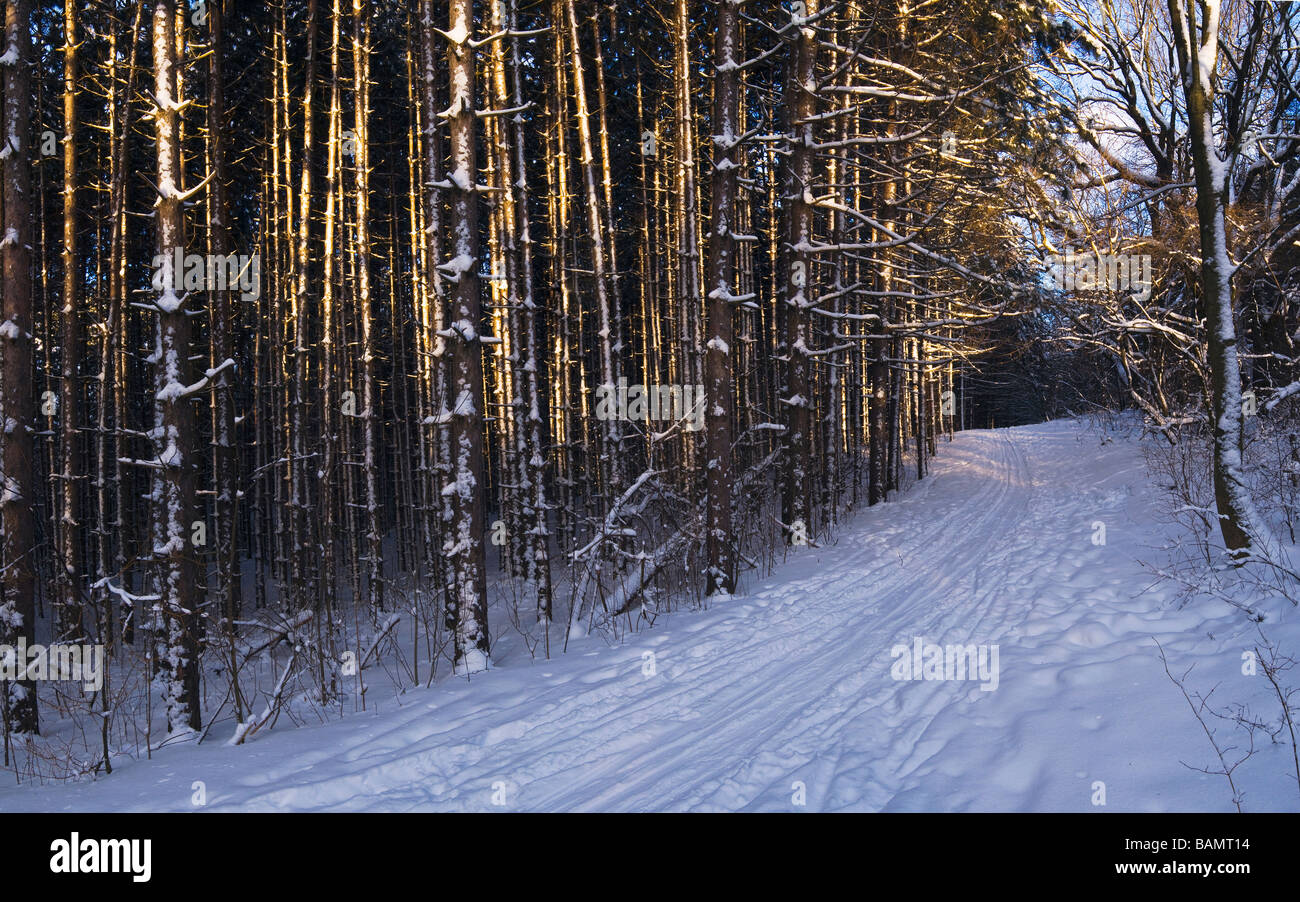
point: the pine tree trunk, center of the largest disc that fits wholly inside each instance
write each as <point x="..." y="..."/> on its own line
<point x="222" y="316"/>
<point x="304" y="591"/>
<point x="71" y="532"/>
<point x="727" y="138"/>
<point x="533" y="450"/>
<point x="17" y="411"/>
<point x="611" y="451"/>
<point x="467" y="613"/>
<point x="173" y="493"/>
<point x="371" y="402"/>
<point x="797" y="398"/>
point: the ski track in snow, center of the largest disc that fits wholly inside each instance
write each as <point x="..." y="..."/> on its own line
<point x="791" y="681"/>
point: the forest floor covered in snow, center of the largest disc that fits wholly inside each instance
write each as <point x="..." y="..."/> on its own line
<point x="785" y="697"/>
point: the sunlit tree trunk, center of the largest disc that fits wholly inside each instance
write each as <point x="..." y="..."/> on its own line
<point x="1197" y="41"/>
<point x="17" y="412"/>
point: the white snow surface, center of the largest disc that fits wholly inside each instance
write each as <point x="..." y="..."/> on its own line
<point x="788" y="682"/>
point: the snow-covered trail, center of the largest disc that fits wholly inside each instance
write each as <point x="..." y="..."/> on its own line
<point x="790" y="686"/>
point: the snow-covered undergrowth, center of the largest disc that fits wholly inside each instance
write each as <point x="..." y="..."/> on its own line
<point x="1265" y="589"/>
<point x="1042" y="543"/>
<point x="307" y="666"/>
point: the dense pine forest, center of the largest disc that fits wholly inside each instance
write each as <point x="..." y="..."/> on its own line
<point x="341" y="338"/>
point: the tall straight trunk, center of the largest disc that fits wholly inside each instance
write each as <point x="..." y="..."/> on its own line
<point x="837" y="368"/>
<point x="71" y="532"/>
<point x="611" y="452"/>
<point x="370" y="401"/>
<point x="688" y="225"/>
<point x="415" y="398"/>
<point x="648" y="258"/>
<point x="113" y="366"/>
<point x="800" y="102"/>
<point x="329" y="400"/>
<point x="467" y="612"/>
<point x="727" y="137"/>
<point x="293" y="528"/>
<point x="561" y="361"/>
<point x="261" y="534"/>
<point x="1198" y="46"/>
<point x="17" y="412"/>
<point x="221" y="314"/>
<point x="537" y="571"/>
<point x="278" y="327"/>
<point x="299" y="467"/>
<point x="108" y="474"/>
<point x="173" y="433"/>
<point x="435" y="293"/>
<point x="504" y="303"/>
<point x="607" y="176"/>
